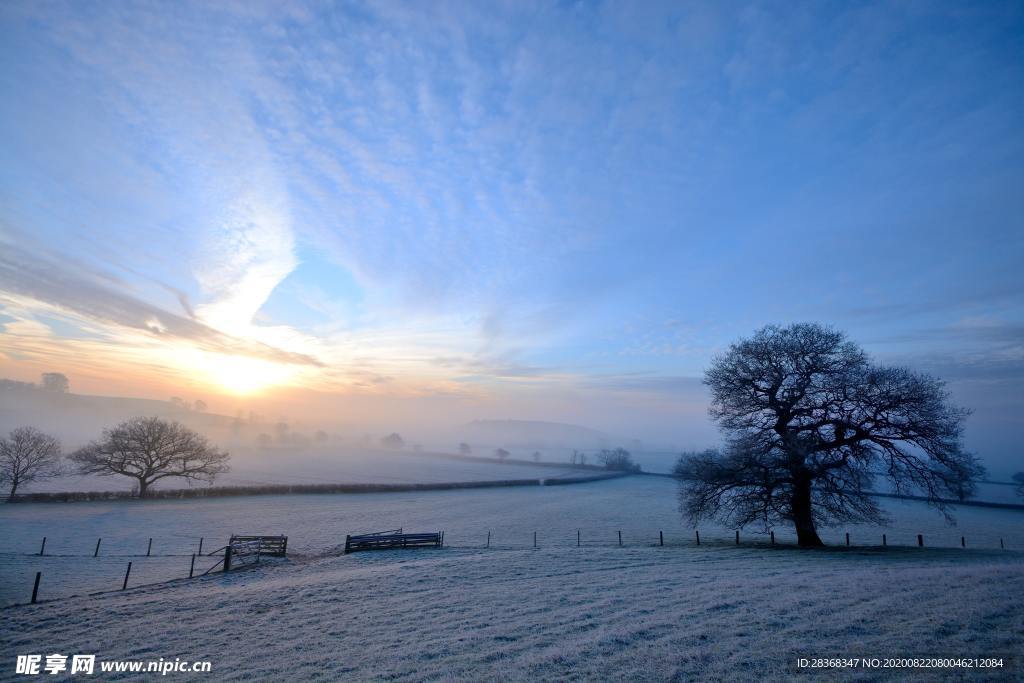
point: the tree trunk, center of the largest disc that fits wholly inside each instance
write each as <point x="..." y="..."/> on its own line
<point x="803" y="518"/>
<point x="143" y="485"/>
<point x="14" y="487"/>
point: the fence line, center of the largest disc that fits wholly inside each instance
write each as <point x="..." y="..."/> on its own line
<point x="532" y="538"/>
<point x="487" y="540"/>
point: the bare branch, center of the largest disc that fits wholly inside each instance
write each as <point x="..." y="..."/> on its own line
<point x="149" y="449"/>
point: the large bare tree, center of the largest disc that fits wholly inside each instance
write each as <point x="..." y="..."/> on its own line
<point x="28" y="455"/>
<point x="149" y="449"/>
<point x="809" y="424"/>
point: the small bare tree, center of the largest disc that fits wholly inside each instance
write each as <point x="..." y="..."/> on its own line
<point x="149" y="449"/>
<point x="393" y="440"/>
<point x="502" y="453"/>
<point x="809" y="423"/>
<point x="28" y="455"/>
<point x="617" y="459"/>
<point x="465" y="449"/>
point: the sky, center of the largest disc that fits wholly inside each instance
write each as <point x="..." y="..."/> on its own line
<point x="552" y="210"/>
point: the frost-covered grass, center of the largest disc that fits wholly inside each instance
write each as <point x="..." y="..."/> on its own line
<point x="331" y="464"/>
<point x="314" y="465"/>
<point x="639" y="506"/>
<point x="558" y="613"/>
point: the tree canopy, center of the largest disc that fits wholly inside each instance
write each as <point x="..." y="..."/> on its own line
<point x="810" y="423"/>
<point x="149" y="449"/>
<point x="28" y="455"/>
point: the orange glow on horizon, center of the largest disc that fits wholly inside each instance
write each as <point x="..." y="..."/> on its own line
<point x="241" y="375"/>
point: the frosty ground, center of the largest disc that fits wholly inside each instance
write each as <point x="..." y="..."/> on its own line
<point x="467" y="612"/>
<point x="252" y="466"/>
<point x="642" y="613"/>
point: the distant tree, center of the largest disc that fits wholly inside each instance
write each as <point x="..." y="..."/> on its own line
<point x="574" y="456"/>
<point x="16" y="386"/>
<point x="298" y="439"/>
<point x="617" y="459"/>
<point x="320" y="436"/>
<point x="464" y="449"/>
<point x="536" y="456"/>
<point x="501" y="453"/>
<point x="264" y="439"/>
<point x="55" y="382"/>
<point x="28" y="455"/>
<point x="149" y="449"/>
<point x="1019" y="480"/>
<point x="808" y="421"/>
<point x="179" y="402"/>
<point x="392" y="440"/>
<point x="281" y="430"/>
<point x="583" y="458"/>
<point x="199" y="406"/>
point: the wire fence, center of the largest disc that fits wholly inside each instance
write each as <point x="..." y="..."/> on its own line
<point x="47" y="575"/>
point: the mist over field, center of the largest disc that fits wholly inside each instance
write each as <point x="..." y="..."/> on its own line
<point x="511" y="340"/>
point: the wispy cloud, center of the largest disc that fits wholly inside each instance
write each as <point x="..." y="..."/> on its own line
<point x="64" y="285"/>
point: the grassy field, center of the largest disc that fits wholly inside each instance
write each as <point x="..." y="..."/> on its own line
<point x="556" y="613"/>
<point x="639" y="507"/>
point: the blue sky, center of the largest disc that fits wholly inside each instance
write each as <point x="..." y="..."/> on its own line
<point x="544" y="210"/>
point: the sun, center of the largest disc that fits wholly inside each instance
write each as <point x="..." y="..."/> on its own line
<point x="243" y="375"/>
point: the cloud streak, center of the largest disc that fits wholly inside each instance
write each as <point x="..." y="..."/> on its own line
<point x="64" y="285"/>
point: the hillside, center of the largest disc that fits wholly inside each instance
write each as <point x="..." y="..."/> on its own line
<point x="75" y="418"/>
<point x="539" y="434"/>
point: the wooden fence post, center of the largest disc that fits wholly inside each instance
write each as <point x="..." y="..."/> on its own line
<point x="737" y="537"/>
<point x="96" y="553"/>
<point x="773" y="537"/>
<point x="661" y="538"/>
<point x="200" y="545"/>
<point x="192" y="567"/>
<point x="35" y="587"/>
<point x="348" y="541"/>
<point x="227" y="558"/>
<point x="963" y="542"/>
<point x="920" y="541"/>
<point x="847" y="539"/>
<point x="698" y="536"/>
<point x="149" y="548"/>
<point x="577" y="538"/>
<point x="488" y="538"/>
<point x="884" y="544"/>
<point x="1001" y="546"/>
<point x="620" y="538"/>
<point x="127" y="572"/>
<point x="42" y="548"/>
<point x="534" y="539"/>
